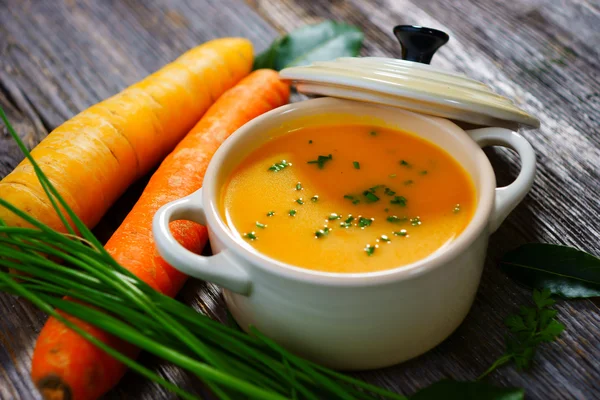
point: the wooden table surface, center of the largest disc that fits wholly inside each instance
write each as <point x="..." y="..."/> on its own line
<point x="57" y="58"/>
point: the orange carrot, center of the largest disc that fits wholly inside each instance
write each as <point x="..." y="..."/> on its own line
<point x="66" y="365"/>
<point x="92" y="158"/>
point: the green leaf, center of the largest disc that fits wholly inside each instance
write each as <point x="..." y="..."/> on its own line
<point x="542" y="299"/>
<point x="515" y="323"/>
<point x="564" y="271"/>
<point x="319" y="42"/>
<point x="552" y="331"/>
<point x="453" y="390"/>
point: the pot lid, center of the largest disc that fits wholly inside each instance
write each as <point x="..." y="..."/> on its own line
<point x="410" y="83"/>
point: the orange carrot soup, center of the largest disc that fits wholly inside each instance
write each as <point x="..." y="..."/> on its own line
<point x="348" y="199"/>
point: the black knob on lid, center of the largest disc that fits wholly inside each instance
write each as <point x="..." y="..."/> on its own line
<point x="419" y="43"/>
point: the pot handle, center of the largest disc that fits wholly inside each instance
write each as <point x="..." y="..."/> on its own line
<point x="509" y="196"/>
<point x="221" y="268"/>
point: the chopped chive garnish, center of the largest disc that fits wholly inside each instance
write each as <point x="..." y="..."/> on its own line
<point x="386" y="209"/>
<point x="292" y="213"/>
<point x="384" y="238"/>
<point x="401" y="232"/>
<point x="364" y="222"/>
<point x="456" y="209"/>
<point x="321" y="160"/>
<point x="298" y="186"/>
<point x="270" y="213"/>
<point x="416" y="221"/>
<point x="352" y="198"/>
<point x="278" y="166"/>
<point x="300" y="201"/>
<point x="399" y="200"/>
<point x="261" y="226"/>
<point x="334" y="216"/>
<point x="370" y="249"/>
<point x="348" y="222"/>
<point x="356" y="164"/>
<point x="392" y="175"/>
<point x="389" y="191"/>
<point x="370" y="196"/>
<point x="250" y="236"/>
<point x="409" y="182"/>
<point x="322" y="232"/>
<point x="374" y="188"/>
<point x="394" y="219"/>
<point x="373" y="133"/>
<point x="315" y="198"/>
<point x="310" y="142"/>
<point x="424" y="172"/>
<point x="405" y="163"/>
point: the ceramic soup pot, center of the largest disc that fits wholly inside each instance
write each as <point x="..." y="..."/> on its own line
<point x="362" y="320"/>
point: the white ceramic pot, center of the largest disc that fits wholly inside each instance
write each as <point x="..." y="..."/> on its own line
<point x="349" y="321"/>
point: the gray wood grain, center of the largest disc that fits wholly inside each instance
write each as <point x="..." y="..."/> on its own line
<point x="56" y="58"/>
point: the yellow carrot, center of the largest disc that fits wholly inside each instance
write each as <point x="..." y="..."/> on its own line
<point x="92" y="158"/>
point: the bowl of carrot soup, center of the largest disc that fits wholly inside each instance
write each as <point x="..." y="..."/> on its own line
<point x="352" y="228"/>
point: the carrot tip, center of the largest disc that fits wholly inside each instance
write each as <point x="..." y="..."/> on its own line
<point x="53" y="387"/>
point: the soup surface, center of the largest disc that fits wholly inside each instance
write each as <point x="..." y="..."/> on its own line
<point x="348" y="199"/>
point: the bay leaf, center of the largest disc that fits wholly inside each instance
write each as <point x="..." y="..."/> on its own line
<point x="318" y="42"/>
<point x="454" y="390"/>
<point x="565" y="271"/>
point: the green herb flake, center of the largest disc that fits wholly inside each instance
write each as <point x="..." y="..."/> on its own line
<point x="250" y="236"/>
<point x="416" y="221"/>
<point x="348" y="222"/>
<point x="399" y="200"/>
<point x="392" y="175"/>
<point x="456" y="209"/>
<point x="409" y="182"/>
<point x="334" y="216"/>
<point x="370" y="196"/>
<point x="300" y="201"/>
<point x="386" y="209"/>
<point x="385" y="238"/>
<point x="352" y="198"/>
<point x="424" y="172"/>
<point x="373" y="133"/>
<point x="374" y="188"/>
<point x="364" y="222"/>
<point x="389" y="191"/>
<point x="395" y="219"/>
<point x="270" y="213"/>
<point x="322" y="232"/>
<point x="310" y="142"/>
<point x="369" y="249"/>
<point x="298" y="186"/>
<point x="292" y="213"/>
<point x="405" y="163"/>
<point x="401" y="232"/>
<point x="278" y="166"/>
<point x="321" y="160"/>
<point x="315" y="198"/>
<point x="356" y="164"/>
